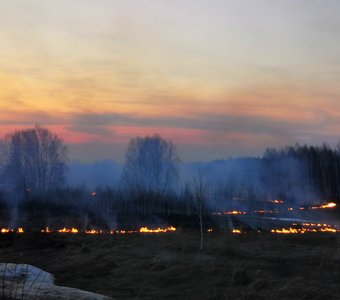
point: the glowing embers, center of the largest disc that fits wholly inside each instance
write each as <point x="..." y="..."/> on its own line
<point x="236" y="231"/>
<point x="68" y="230"/>
<point x="158" y="230"/>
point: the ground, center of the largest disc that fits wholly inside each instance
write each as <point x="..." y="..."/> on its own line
<point x="170" y="266"/>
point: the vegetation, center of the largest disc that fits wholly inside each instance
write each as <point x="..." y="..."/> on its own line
<point x="33" y="160"/>
<point x="170" y="266"/>
<point x="152" y="165"/>
<point x="34" y="165"/>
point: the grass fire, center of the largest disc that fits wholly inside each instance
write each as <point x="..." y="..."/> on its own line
<point x="170" y="150"/>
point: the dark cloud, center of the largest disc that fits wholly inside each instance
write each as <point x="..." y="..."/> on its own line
<point x="15" y="118"/>
<point x="222" y="134"/>
<point x="216" y="123"/>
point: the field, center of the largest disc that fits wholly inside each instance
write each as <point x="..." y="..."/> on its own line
<point x="170" y="265"/>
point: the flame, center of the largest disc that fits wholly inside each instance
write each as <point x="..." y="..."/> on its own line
<point x="276" y="201"/>
<point x="263" y="211"/>
<point x="7" y="230"/>
<point x="46" y="230"/>
<point x="287" y="231"/>
<point x="295" y="229"/>
<point x="234" y="212"/>
<point x="309" y="227"/>
<point x="72" y="230"/>
<point x="326" y="205"/>
<point x="328" y="229"/>
<point x="93" y="231"/>
<point x="157" y="230"/>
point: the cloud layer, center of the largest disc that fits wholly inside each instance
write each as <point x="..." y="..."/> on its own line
<point x="220" y="78"/>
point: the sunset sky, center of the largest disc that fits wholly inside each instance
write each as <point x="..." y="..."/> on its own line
<point x="219" y="78"/>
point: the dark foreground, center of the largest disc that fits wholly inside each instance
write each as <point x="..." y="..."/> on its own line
<point x="169" y="266"/>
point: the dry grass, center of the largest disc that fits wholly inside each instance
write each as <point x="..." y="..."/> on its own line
<point x="169" y="266"/>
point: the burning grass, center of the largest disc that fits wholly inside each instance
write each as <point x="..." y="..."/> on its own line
<point x="94" y="231"/>
<point x="169" y="266"/>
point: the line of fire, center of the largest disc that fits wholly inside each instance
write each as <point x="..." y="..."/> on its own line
<point x="275" y="220"/>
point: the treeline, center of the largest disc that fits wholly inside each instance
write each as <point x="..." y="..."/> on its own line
<point x="299" y="175"/>
<point x="318" y="166"/>
<point x="154" y="181"/>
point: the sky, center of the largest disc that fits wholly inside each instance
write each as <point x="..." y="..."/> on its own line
<point x="219" y="78"/>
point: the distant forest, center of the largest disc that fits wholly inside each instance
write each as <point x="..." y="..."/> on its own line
<point x="153" y="180"/>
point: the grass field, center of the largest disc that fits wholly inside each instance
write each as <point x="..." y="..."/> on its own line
<point x="170" y="266"/>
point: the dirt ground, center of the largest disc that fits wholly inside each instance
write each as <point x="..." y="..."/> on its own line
<point x="170" y="266"/>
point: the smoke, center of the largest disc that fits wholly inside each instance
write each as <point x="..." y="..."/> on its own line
<point x="255" y="179"/>
<point x="100" y="173"/>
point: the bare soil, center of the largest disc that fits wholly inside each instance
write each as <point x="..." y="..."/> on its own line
<point x="170" y="266"/>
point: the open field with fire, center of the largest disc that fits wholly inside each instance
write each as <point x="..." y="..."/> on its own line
<point x="169" y="265"/>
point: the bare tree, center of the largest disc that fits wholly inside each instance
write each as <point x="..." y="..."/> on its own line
<point x="33" y="160"/>
<point x="199" y="197"/>
<point x="152" y="165"/>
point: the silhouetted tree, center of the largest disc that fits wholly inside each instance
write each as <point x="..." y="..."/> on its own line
<point x="151" y="166"/>
<point x="34" y="160"/>
<point x="200" y="195"/>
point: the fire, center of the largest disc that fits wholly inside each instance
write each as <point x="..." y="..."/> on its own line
<point x="157" y="230"/>
<point x="294" y="229"/>
<point x="287" y="231"/>
<point x="46" y="230"/>
<point x="92" y="231"/>
<point x="234" y="212"/>
<point x="276" y="201"/>
<point x="328" y="229"/>
<point x="326" y="205"/>
<point x="308" y="227"/>
<point x="263" y="211"/>
<point x="7" y="230"/>
<point x="72" y="230"/>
